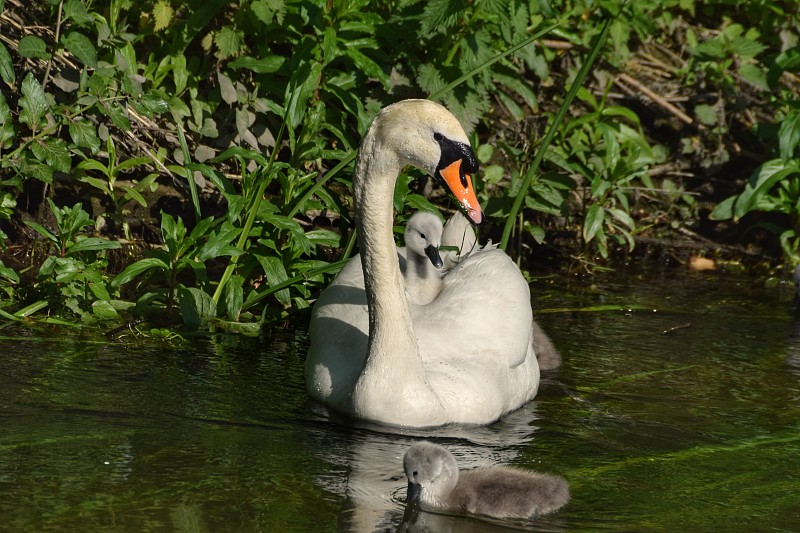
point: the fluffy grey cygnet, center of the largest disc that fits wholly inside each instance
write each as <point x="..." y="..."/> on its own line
<point x="498" y="492"/>
<point x="423" y="278"/>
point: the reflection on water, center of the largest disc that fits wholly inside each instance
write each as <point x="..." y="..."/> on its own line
<point x="694" y="429"/>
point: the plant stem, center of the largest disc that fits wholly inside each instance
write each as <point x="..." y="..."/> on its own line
<point x="189" y="173"/>
<point x="253" y="209"/>
<point x="551" y="132"/>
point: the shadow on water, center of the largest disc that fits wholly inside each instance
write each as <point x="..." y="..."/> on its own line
<point x="694" y="429"/>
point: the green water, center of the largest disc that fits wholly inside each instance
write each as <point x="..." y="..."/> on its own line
<point x="694" y="430"/>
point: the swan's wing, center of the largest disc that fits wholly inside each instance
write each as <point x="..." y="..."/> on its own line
<point x="483" y="311"/>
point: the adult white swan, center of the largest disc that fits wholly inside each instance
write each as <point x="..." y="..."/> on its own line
<point x="466" y="357"/>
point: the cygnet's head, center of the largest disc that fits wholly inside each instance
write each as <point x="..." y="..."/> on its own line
<point x="424" y="236"/>
<point x="432" y="472"/>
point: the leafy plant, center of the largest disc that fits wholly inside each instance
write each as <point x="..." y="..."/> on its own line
<point x="774" y="187"/>
<point x="76" y="273"/>
<point x="117" y="193"/>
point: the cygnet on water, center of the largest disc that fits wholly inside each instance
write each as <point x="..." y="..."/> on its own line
<point x="499" y="492"/>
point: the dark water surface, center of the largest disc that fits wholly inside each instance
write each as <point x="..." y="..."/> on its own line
<point x="695" y="430"/>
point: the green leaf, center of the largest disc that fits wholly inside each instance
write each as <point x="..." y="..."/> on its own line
<point x="219" y="243"/>
<point x="369" y="67"/>
<point x="118" y="115"/>
<point x="6" y="67"/>
<point x="266" y="65"/>
<point x="234" y="297"/>
<point x="103" y="310"/>
<point x="81" y="47"/>
<point x="151" y="104"/>
<point x="6" y="123"/>
<point x="84" y="134"/>
<point x="745" y="47"/>
<point x="41" y="230"/>
<point x="180" y="74"/>
<point x="706" y="114"/>
<point x="33" y="102"/>
<point x="788" y="134"/>
<point x="622" y="217"/>
<point x="329" y="44"/>
<point x="75" y="10"/>
<point x="276" y="274"/>
<point x="90" y="244"/>
<point x="54" y="152"/>
<point x="135" y="269"/>
<point x="32" y="47"/>
<point x="229" y="41"/>
<point x="723" y="210"/>
<point x="762" y="180"/>
<point x="754" y="75"/>
<point x="8" y="273"/>
<point x="32" y="168"/>
<point x="197" y="307"/>
<point x="162" y="15"/>
<point x="267" y="10"/>
<point x="593" y="223"/>
<point x="132" y="194"/>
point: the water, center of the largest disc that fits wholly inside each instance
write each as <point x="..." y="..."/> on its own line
<point x="694" y="430"/>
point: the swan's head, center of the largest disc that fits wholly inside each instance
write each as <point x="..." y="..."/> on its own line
<point x="424" y="236"/>
<point x="432" y="472"/>
<point x="426" y="135"/>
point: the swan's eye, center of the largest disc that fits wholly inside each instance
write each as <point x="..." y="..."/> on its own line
<point x="438" y="136"/>
<point x="422" y="235"/>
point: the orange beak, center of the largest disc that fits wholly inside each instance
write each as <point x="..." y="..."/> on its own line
<point x="462" y="190"/>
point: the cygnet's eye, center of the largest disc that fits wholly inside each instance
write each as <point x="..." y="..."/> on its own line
<point x="422" y="235"/>
<point x="414" y="473"/>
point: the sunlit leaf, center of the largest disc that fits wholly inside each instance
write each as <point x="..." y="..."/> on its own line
<point x="275" y="274"/>
<point x="266" y="65"/>
<point x="54" y="152"/>
<point x="229" y="41"/>
<point x="139" y="267"/>
<point x="84" y="134"/>
<point x="33" y="102"/>
<point x="81" y="47"/>
<point x="6" y="123"/>
<point x="162" y="15"/>
<point x="234" y="297"/>
<point x="6" y="67"/>
<point x="788" y="134"/>
<point x="593" y="222"/>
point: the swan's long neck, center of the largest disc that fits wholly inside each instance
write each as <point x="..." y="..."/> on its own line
<point x="393" y="372"/>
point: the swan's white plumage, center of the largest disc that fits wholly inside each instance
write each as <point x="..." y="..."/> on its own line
<point x="466" y="357"/>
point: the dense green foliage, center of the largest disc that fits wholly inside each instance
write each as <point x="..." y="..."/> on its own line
<point x="154" y="125"/>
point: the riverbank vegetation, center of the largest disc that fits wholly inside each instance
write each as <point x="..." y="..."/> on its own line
<point x="189" y="162"/>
